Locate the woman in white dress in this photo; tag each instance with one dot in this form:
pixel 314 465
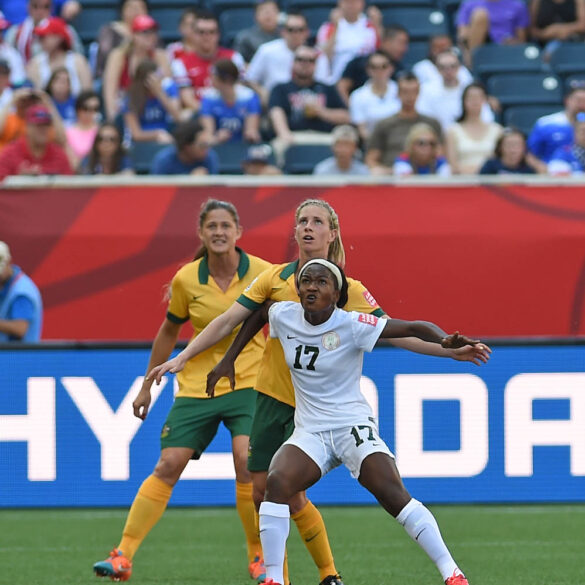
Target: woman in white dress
pixel 471 141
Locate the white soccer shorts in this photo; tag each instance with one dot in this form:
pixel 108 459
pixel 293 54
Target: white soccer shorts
pixel 347 445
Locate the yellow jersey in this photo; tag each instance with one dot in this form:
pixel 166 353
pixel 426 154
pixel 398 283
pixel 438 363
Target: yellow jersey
pixel 196 297
pixel 278 284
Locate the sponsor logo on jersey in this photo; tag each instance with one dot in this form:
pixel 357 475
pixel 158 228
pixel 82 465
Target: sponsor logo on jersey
pixel 330 340
pixel 369 298
pixel 368 319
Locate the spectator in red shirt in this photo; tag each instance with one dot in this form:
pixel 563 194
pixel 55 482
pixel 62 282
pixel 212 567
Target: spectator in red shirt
pixel 35 153
pixel 192 69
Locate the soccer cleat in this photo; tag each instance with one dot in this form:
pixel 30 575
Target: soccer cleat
pixel 332 580
pixel 256 569
pixel 117 567
pixel 458 578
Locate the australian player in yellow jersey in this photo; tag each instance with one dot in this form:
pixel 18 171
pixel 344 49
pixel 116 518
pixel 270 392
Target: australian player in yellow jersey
pixel 317 233
pixel 200 291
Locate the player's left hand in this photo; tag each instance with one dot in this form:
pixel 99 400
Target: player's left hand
pixel 224 368
pixel 477 354
pixel 456 340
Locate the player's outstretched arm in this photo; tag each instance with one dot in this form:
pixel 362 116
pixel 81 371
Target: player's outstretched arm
pixel 477 354
pixel 217 329
pixel 426 331
pixel 225 366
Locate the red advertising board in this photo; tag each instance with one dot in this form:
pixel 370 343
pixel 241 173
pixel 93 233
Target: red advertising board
pixel 492 260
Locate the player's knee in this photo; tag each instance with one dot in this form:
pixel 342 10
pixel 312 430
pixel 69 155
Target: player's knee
pixel 169 469
pixel 277 487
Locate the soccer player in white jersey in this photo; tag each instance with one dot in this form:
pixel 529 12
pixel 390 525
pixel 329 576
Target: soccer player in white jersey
pixel 323 348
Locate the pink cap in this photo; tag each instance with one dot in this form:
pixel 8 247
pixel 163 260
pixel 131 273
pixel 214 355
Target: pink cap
pixel 143 22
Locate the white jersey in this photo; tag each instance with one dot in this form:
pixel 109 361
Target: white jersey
pixel 325 362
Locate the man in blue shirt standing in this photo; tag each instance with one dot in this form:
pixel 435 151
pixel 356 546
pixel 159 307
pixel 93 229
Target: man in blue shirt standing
pixel 21 308
pixel 190 155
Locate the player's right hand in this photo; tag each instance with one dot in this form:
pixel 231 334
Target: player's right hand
pixel 171 366
pixel 141 404
pixel 224 368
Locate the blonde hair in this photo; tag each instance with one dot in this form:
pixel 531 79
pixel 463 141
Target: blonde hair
pixel 416 132
pixel 336 253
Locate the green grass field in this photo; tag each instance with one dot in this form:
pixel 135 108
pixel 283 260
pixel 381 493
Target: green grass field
pixel 495 545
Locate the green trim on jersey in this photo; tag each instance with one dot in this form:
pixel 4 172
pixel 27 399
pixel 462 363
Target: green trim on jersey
pixel 289 269
pixel 378 313
pixel 175 319
pixel 243 266
pixel 248 303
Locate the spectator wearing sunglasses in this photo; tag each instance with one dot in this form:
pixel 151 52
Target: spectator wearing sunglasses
pixel 421 155
pixel 81 135
pixel 107 155
pixel 378 98
pixel 304 111
pixel 273 61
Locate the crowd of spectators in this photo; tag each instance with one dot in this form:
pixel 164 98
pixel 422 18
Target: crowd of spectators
pixel 68 108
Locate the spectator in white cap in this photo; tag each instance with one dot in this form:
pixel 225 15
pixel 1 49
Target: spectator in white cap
pixel 11 55
pixel 343 162
pixel 21 307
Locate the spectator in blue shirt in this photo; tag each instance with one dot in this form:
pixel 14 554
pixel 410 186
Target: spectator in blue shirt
pixel 21 308
pixel 509 155
pixel 570 158
pixel 152 105
pixel 59 88
pixel 190 155
pixel 230 112
pixel 555 130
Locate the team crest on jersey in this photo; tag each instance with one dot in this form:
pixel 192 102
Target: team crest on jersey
pixel 369 298
pixel 330 340
pixel 368 319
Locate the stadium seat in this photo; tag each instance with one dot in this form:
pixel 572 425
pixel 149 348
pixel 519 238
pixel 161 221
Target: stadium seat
pixel 300 159
pixel 523 117
pixel 514 89
pixel 168 18
pixel 421 23
pixel 142 153
pixel 231 155
pixel 232 21
pixel 490 59
pixel 450 8
pixel 417 50
pixel 577 80
pixel 91 19
pixel 402 3
pixel 568 58
pixel 219 6
pixel 302 5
